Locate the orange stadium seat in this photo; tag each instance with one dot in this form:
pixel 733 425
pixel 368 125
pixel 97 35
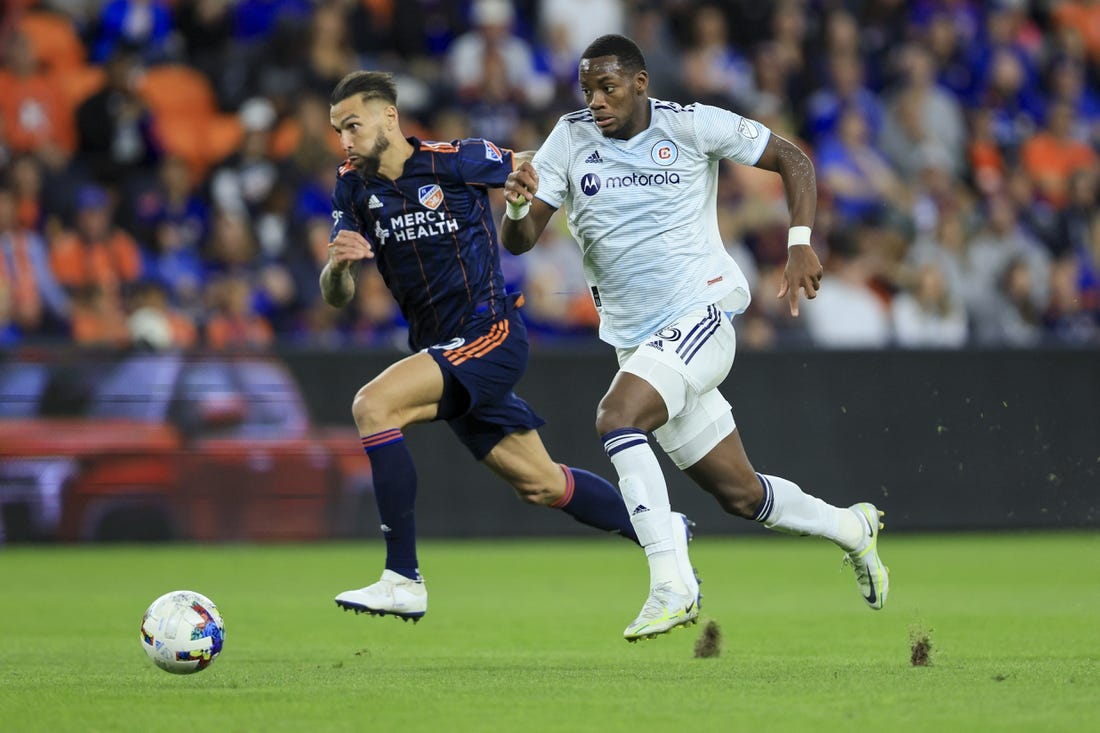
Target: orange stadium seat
pixel 176 90
pixel 57 47
pixel 78 84
pixel 200 142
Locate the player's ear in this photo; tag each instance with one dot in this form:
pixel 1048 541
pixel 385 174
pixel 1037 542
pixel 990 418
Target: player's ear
pixel 641 81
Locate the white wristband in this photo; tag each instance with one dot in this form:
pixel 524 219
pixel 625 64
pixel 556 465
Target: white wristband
pixel 798 235
pixel 517 211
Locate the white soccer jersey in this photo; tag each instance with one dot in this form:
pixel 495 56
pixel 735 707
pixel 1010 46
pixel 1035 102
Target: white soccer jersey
pixel 644 212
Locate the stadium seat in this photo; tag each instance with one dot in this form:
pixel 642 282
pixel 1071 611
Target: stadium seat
pixel 78 84
pixel 175 90
pixel 57 47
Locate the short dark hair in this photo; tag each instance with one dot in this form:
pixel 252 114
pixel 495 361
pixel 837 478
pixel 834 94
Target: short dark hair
pixel 629 55
pixel 369 84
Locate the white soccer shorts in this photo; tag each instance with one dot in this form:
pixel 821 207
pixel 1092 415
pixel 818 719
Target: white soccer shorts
pixel 685 362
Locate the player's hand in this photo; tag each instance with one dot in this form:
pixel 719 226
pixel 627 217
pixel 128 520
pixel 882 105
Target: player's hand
pixel 803 272
pixel 348 247
pixel 522 183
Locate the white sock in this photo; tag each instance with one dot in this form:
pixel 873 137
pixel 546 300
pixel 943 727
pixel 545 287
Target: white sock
pixel 646 497
pixel 787 508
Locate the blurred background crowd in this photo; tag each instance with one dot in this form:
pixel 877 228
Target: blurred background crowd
pixel 166 165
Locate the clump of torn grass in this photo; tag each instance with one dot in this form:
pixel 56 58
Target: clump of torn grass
pixel 920 647
pixel 709 643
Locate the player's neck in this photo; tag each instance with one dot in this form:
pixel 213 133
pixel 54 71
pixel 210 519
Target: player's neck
pixel 393 160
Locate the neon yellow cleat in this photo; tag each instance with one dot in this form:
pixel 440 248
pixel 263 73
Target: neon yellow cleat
pixel 872 576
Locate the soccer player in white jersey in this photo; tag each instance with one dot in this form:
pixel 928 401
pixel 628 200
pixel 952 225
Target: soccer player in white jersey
pixel 638 178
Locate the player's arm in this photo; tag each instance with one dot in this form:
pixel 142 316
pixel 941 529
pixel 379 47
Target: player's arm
pixel 803 271
pixel 338 275
pixel 526 216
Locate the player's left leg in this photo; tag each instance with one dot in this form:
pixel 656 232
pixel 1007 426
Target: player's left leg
pixel 777 503
pixel 521 459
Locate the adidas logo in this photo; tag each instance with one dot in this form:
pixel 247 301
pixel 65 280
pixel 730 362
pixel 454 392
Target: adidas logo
pixel 639 509
pixel 656 345
pixel 594 158
pixel 373 202
pixel 385 528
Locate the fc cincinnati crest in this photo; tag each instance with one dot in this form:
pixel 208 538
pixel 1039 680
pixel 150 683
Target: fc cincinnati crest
pixel 664 152
pixel 431 196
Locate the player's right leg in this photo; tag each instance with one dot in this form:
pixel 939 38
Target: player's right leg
pixel 408 392
pixel 632 407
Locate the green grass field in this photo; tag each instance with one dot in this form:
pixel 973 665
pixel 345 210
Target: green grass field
pixel 526 636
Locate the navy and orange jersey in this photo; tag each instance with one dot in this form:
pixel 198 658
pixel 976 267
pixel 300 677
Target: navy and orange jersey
pixel 433 234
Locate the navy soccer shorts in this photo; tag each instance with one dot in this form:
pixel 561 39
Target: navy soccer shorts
pixel 480 370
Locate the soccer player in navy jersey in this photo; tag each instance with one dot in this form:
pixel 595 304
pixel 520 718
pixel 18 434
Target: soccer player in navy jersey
pixel 421 211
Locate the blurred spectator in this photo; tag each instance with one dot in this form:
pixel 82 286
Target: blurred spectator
pixel 953 58
pixel 96 253
pixel 856 175
pixel 98 318
pixel 331 54
pixel 1081 17
pixel 115 128
pixel 146 25
pixel 1009 315
pixel 1070 318
pixel 1002 240
pixel 1014 106
pixel 1078 232
pixel 558 299
pixel 847 313
pixel 714 70
pixel 33 299
pixel 206 29
pixel 234 324
pixel 175 221
pixel 375 319
pixel 154 324
pixel 36 118
pixel 1067 82
pixel 1053 155
pixel 247 179
pixel 845 91
pixel 649 27
pixel 924 122
pixel 491 46
pixel 927 314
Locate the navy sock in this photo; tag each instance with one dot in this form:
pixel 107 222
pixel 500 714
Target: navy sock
pixel 395 493
pixel 594 501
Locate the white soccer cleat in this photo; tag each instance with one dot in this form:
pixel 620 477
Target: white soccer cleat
pixel 681 536
pixel 664 610
pixel 393 594
pixel 872 576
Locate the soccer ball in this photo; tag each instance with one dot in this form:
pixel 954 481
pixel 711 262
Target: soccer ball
pixel 182 632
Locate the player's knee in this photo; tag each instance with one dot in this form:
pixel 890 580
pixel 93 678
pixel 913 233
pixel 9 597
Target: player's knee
pixel 613 415
pixel 370 411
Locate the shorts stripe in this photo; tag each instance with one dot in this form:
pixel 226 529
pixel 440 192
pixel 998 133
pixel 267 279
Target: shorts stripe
pixel 479 346
pixel 711 329
pixel 699 334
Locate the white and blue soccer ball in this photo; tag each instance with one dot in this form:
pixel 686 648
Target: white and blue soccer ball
pixel 182 632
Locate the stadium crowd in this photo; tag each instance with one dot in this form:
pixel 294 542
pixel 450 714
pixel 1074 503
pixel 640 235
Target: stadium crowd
pixel 166 166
